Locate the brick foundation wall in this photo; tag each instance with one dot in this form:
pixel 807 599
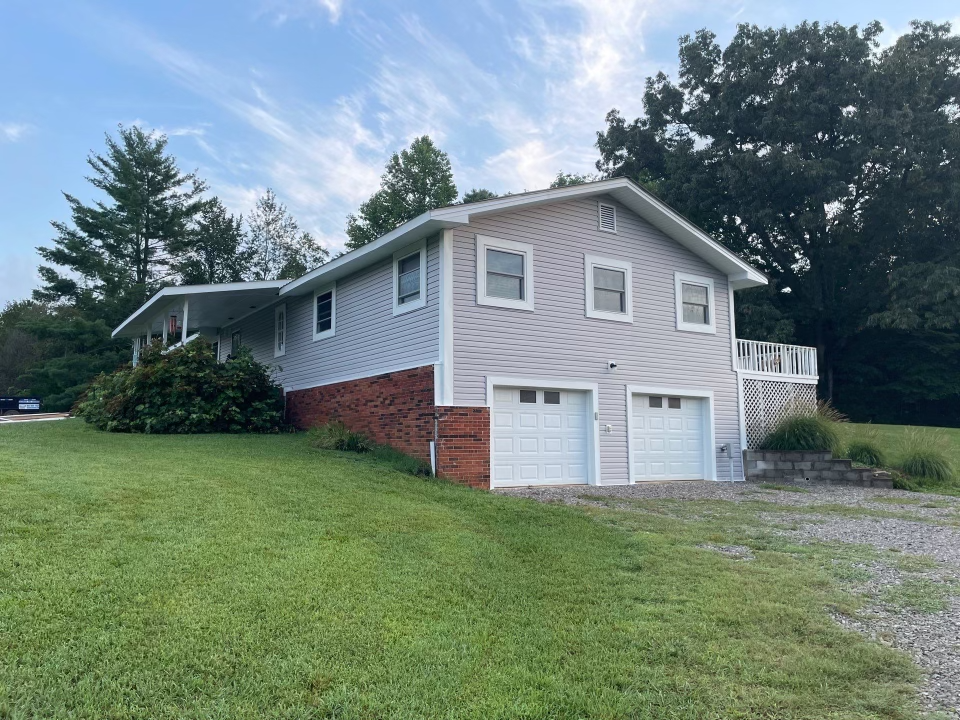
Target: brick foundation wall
pixel 393 409
pixel 397 409
pixel 463 445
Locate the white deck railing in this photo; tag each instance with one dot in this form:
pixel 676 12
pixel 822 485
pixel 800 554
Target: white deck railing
pixel 776 358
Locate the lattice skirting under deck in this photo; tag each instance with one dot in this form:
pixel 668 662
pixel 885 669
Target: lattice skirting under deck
pixel 766 402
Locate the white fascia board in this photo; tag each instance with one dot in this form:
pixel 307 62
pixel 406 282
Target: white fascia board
pixel 151 306
pixel 412 230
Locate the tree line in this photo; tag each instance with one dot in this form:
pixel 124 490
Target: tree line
pixel 829 162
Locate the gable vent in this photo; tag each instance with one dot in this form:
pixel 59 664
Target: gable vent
pixel 608 217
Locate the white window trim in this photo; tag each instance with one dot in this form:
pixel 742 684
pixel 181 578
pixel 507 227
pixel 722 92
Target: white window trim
pixel 280 309
pixel 679 279
pixel 600 206
pixel 709 425
pixel 333 312
pixel 421 248
pixel 592 261
pixel 483 244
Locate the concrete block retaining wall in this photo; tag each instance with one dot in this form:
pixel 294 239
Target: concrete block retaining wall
pixel 813 467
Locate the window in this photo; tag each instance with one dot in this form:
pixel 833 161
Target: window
pixel 410 278
pixel 528 397
pixel 235 343
pixel 324 313
pixel 551 397
pixel 696 311
pixel 504 273
pixel 673 403
pixel 609 294
pixel 606 217
pixel 280 331
pixel 656 402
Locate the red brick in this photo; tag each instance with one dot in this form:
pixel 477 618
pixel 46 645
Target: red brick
pixel 397 409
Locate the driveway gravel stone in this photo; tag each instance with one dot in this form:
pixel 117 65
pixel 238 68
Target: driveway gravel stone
pixel 920 525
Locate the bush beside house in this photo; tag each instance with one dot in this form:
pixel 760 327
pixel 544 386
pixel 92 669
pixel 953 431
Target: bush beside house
pixel 185 390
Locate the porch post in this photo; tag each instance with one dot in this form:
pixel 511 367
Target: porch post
pixel 186 311
pixel 163 332
pixel 149 333
pixel 136 350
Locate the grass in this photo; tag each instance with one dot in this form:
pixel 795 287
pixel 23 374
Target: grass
pixel 918 595
pixel 895 441
pixel 252 576
pixel 782 487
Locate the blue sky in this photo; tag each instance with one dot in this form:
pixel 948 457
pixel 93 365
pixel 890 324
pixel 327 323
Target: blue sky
pixel 310 97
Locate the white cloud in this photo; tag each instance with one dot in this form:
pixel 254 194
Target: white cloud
pixel 283 10
pixel 14 132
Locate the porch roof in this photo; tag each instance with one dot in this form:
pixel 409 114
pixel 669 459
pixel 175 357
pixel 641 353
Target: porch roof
pixel 209 305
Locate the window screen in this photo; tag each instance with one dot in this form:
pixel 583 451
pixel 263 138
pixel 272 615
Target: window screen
pixel 505 274
pixel 408 279
pixel 696 304
pixel 325 311
pixel 609 290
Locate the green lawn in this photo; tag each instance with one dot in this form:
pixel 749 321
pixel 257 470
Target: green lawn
pixel 893 438
pixel 248 577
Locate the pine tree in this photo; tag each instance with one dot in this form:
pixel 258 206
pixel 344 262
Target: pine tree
pixel 215 250
pixel 477 195
pixel 278 247
pixel 416 180
pixel 117 250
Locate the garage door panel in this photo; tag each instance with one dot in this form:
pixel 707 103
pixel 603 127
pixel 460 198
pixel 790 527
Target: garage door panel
pixel 667 440
pixel 542 441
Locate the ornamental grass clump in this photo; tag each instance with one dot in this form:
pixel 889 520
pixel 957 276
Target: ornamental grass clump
pixel 804 430
pixel 924 457
pixel 335 435
pixel 864 448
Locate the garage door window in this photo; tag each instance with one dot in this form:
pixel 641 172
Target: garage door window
pixel 551 397
pixel 673 403
pixel 656 402
pixel 528 397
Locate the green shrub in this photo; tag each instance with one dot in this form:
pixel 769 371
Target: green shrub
pixel 185 391
pixel 925 456
pixel 804 431
pixel 335 435
pixel 865 452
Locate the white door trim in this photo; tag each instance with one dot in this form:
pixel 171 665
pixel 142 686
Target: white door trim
pixel 593 409
pixel 709 424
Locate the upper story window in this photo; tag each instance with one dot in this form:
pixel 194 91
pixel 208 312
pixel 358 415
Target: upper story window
pixel 324 313
pixel 410 278
pixel 606 217
pixel 504 273
pixel 696 310
pixel 280 331
pixel 609 283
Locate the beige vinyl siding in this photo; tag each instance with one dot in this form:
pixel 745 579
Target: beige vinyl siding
pixel 557 341
pixel 369 338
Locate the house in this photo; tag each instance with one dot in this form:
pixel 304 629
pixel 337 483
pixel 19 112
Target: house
pixel 574 335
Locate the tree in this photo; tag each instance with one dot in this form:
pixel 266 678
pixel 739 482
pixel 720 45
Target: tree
pixel 215 249
pixel 478 195
pixel 567 179
pixel 416 180
pixel 116 251
pixel 809 151
pixel 277 246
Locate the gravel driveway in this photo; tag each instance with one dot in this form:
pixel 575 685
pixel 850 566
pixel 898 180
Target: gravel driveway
pixel 921 526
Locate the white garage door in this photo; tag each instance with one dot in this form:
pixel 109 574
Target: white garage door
pixel 539 437
pixel 667 438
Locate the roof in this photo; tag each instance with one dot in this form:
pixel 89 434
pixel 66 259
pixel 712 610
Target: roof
pixel 210 305
pixel 623 190
pixel 217 305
